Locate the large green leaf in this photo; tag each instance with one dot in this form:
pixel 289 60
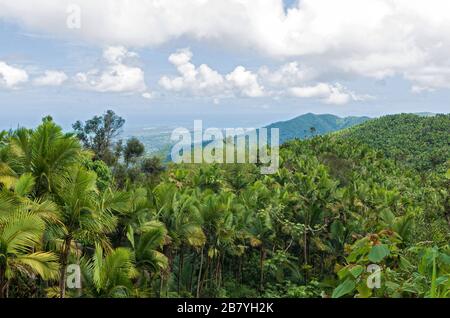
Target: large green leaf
pixel 343 289
pixel 356 270
pixel 378 253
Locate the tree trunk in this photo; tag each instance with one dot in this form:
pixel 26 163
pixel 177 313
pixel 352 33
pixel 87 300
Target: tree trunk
pixel 180 269
pixel 241 261
pixel 261 264
pixel 305 254
pixel 305 247
pixel 191 280
pixel 167 251
pixel 221 269
pixel 161 285
pixel 65 250
pixel 217 270
pixel 199 281
pixel 206 272
pixel 3 282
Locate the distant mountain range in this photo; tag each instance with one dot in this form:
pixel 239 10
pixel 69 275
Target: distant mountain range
pixel 309 125
pixel 305 126
pixel 157 141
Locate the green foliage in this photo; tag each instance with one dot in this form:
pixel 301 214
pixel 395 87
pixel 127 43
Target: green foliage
pixel 98 133
pixel 421 142
pixel 103 172
pixel 133 150
pixel 21 230
pixel 109 276
pixel 139 229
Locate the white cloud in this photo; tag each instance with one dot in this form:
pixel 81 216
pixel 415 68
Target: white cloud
pixel 330 94
pixel 117 76
pixel 51 78
pixel 290 79
pixel 245 82
pixel 147 95
pixel 198 81
pixel 117 54
pixel 204 81
pixel 288 74
pixel 11 77
pixel 429 78
pixel 372 38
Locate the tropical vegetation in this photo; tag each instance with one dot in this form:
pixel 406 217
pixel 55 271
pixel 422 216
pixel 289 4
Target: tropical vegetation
pixel 342 211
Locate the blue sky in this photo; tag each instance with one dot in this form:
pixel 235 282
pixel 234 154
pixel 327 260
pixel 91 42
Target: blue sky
pixel 230 63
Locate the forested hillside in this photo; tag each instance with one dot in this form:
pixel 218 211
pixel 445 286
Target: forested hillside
pixel 310 125
pixel 138 229
pixel 422 142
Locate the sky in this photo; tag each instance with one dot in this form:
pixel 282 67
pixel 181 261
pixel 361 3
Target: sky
pixel 231 63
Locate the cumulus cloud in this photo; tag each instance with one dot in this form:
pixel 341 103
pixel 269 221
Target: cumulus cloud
pixel 287 75
pixel 245 82
pixel 372 38
pixel 117 76
pixel 117 54
pixel 200 80
pixel 290 79
pixel 429 78
pixel 375 38
pixel 11 77
pixel 51 78
pixel 205 81
pixel 335 94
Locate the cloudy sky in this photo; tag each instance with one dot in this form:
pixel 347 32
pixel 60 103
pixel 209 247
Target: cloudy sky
pixel 240 62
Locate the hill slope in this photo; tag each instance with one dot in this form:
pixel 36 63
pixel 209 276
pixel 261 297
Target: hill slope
pixel 418 141
pixel 310 124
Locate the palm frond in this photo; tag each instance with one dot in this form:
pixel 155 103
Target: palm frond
pixel 45 264
pixel 21 232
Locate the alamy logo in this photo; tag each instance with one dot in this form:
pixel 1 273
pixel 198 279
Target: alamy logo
pixel 374 279
pixel 73 280
pixel 74 16
pixel 231 145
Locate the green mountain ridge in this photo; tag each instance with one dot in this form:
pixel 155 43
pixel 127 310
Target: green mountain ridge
pixel 308 125
pixel 421 142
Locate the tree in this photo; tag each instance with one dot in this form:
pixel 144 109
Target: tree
pixel 109 275
pixel 103 172
pixel 21 233
pixel 45 153
pixel 147 243
pixel 179 212
pixel 152 166
pixel 98 134
pixel 83 214
pixel 133 150
pixel 334 208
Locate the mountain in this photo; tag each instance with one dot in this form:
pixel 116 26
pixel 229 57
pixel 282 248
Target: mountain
pixel 311 125
pixel 421 142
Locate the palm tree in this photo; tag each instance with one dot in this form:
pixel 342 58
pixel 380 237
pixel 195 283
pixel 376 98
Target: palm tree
pixel 109 275
pixel 19 192
pixel 216 211
pixel 180 214
pixel 147 242
pixel 21 232
pixel 84 212
pixel 23 222
pixel 44 153
pixel 132 208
